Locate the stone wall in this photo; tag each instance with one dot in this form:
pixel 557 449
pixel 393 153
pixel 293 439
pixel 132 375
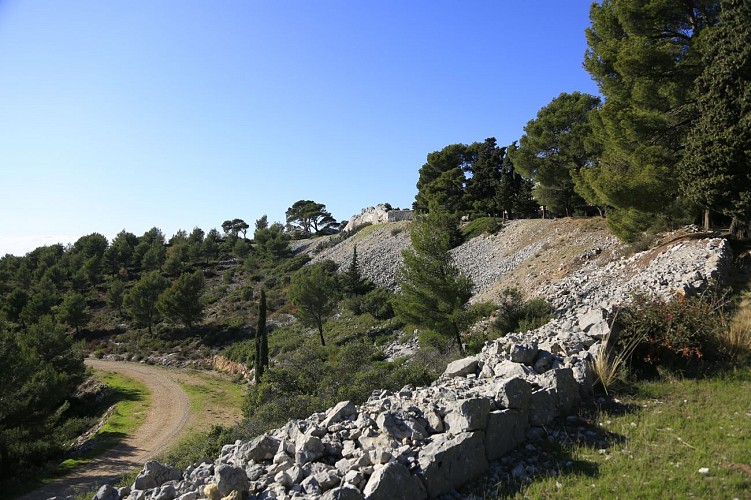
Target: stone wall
pixel 378 214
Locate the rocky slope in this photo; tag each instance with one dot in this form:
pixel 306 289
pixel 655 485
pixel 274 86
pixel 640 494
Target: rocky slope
pixel 424 442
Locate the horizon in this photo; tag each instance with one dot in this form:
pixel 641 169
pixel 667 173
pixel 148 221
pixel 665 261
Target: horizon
pixel 181 114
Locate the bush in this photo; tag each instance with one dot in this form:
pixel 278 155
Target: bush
pixel 677 335
pixel 377 302
pixel 482 225
pixel 516 315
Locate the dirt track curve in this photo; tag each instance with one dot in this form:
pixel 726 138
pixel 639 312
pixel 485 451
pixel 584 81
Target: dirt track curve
pixel 167 416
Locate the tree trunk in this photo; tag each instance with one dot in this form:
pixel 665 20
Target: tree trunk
pixel 320 332
pixel 707 220
pixel 459 340
pixel 740 230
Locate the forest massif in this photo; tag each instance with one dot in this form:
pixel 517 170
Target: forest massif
pixel 666 144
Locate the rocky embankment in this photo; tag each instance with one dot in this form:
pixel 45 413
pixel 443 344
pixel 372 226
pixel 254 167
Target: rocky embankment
pixel 424 442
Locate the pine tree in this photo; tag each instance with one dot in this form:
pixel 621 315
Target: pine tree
pixel 715 168
pixel 433 291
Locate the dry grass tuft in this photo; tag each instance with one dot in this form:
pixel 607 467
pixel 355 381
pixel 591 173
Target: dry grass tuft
pixel 737 335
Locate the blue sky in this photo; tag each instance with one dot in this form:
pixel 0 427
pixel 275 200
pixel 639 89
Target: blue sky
pixel 179 113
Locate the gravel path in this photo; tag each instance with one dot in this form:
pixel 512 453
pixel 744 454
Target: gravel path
pixel 167 416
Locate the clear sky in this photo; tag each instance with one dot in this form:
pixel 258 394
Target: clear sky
pixel 180 113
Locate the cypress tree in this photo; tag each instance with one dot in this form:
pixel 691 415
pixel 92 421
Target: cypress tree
pixel 262 341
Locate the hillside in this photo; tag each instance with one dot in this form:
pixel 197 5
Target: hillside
pixel 421 442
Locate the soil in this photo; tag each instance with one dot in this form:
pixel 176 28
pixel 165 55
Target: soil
pixel 168 418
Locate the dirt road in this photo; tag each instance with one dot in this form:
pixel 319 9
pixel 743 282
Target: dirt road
pixel 167 418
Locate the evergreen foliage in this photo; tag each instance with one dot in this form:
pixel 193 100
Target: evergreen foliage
pixel 314 290
pixel 183 300
pixel 645 57
pixel 141 300
pixel 262 339
pixel 40 368
pixel 554 148
pixel 433 293
pixel 715 170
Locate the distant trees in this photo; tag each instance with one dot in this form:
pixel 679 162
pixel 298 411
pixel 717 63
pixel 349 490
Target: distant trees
pixel 235 226
pixel 74 310
pixel 183 300
pixel 476 180
pixel 314 290
pixel 141 300
pixel 309 217
pixel 434 293
pixel 271 242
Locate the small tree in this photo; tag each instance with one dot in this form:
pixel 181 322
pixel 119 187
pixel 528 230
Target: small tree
pixel 434 293
pixel 314 290
pixel 262 339
pixel 183 301
pixel 73 310
pixel 141 300
pixel 115 295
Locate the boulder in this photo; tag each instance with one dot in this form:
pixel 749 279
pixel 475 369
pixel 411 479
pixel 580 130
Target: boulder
pixel 563 384
pixel 308 448
pixel 461 367
pixel 450 461
pixel 524 353
pixel 155 474
pixel 542 407
pixel 107 492
pixel 339 412
pixel 345 492
pixel 394 482
pixel 514 393
pixel 259 449
pixel 467 415
pixel 229 479
pixel 506 430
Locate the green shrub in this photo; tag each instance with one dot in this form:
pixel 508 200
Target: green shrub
pixel 517 315
pixel 482 225
pixel 377 302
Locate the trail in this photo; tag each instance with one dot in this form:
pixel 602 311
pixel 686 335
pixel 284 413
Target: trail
pixel 167 416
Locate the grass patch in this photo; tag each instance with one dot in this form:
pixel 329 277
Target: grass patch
pixel 674 430
pixel 132 400
pixel 214 392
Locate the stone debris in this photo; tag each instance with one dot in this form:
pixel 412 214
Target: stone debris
pixel 426 442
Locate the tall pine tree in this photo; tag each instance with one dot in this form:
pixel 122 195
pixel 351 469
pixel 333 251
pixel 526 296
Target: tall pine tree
pixel 716 166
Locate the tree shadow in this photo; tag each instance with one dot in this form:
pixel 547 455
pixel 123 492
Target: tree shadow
pixel 550 450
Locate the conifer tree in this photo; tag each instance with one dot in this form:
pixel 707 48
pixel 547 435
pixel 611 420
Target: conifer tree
pixel 262 339
pixel 433 291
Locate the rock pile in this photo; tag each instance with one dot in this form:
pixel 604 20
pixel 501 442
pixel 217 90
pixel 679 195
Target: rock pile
pixel 424 442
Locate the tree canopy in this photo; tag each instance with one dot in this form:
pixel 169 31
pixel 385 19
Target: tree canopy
pixel 314 290
pixel 716 167
pixel 309 217
pixel 183 300
pixel 645 57
pixel 555 146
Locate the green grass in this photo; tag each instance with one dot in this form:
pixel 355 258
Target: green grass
pixel 214 392
pixel 132 399
pixel 656 449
